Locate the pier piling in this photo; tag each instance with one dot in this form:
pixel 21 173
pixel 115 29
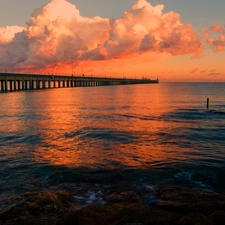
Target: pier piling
pixel 17 81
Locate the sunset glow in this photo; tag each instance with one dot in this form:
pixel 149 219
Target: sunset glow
pixel 143 41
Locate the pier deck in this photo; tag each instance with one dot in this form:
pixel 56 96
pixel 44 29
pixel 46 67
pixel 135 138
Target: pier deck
pixel 18 82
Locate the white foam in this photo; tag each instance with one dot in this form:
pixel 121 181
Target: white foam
pixel 150 187
pixel 189 177
pixel 91 198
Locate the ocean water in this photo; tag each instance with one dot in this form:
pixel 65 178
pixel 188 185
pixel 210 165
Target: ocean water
pixel 92 140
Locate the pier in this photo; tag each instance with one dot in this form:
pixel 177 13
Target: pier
pixel 21 82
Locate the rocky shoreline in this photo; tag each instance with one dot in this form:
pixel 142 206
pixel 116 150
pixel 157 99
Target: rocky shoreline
pixel 176 205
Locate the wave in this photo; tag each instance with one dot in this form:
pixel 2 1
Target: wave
pixel 196 179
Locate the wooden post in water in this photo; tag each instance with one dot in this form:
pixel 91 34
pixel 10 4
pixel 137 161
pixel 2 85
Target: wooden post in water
pixel 207 103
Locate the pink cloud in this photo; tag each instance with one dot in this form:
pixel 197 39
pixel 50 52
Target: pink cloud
pixel 217 28
pixel 206 32
pixel 8 33
pixel 217 45
pixel 57 34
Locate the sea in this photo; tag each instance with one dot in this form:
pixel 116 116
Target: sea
pixel 95 140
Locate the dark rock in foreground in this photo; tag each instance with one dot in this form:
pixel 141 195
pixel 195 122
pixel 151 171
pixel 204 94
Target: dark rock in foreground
pixel 186 200
pixel 172 206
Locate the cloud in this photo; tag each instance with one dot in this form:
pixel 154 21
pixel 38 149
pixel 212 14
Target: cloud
pixel 217 44
pixel 168 72
pixel 57 35
pixel 206 32
pixel 194 70
pixel 214 74
pixel 8 33
pixel 217 28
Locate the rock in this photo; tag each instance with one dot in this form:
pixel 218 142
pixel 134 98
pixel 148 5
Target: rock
pixel 128 196
pixel 175 206
pixel 218 217
pixel 160 217
pixel 120 214
pixel 39 208
pixel 187 200
pixel 50 198
pixel 195 218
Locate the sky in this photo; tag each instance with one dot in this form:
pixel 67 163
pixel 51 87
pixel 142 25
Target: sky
pixel 174 40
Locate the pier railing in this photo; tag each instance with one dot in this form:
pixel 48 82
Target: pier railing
pixel 17 81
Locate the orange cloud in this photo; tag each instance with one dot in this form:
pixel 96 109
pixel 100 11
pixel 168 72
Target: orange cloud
pixel 206 32
pixel 194 70
pixel 217 28
pixel 56 36
pixel 217 44
pixel 214 74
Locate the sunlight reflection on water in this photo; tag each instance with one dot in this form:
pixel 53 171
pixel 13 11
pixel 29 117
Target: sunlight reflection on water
pixel 157 128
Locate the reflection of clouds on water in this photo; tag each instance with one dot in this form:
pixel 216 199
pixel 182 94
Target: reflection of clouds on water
pixel 77 135
pixel 109 135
